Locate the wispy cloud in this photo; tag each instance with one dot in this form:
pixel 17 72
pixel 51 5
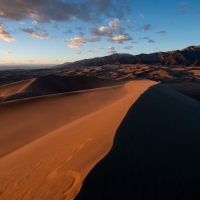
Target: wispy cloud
pixel 128 47
pixel 43 34
pixel 73 46
pixel 161 32
pixel 34 22
pixel 113 27
pixel 5 35
pixel 151 41
pixel 80 51
pixel 69 30
pixel 184 7
pixel 111 49
pixel 120 38
pixel 142 15
pixel 32 33
pixel 78 41
pixel 145 27
pixel 6 52
pixel 102 31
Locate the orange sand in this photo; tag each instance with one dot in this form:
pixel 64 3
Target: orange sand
pixel 49 144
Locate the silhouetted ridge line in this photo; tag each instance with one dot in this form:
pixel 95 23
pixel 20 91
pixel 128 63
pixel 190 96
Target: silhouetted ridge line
pixel 188 56
pixel 155 154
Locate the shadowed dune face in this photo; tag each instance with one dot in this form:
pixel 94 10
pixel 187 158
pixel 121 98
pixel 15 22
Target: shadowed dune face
pixel 155 154
pixel 51 84
pixel 190 89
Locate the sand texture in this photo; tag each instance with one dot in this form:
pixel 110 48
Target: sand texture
pixel 155 153
pixel 50 143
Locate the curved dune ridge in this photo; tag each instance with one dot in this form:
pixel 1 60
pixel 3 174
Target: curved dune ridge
pixel 51 84
pixel 50 143
pixel 155 153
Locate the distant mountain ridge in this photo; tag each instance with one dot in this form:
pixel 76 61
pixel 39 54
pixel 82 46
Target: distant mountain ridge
pixel 189 56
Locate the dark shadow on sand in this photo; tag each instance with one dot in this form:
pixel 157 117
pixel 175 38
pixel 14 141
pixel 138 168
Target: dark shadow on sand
pixel 155 154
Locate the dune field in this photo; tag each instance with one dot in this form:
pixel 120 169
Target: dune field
pixel 50 143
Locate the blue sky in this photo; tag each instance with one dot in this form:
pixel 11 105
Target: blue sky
pixel 52 32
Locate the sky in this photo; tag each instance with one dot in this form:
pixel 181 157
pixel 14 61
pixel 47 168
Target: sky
pixel 52 32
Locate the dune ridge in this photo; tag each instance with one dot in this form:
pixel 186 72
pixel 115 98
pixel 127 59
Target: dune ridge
pixel 51 84
pixel 155 153
pixel 53 164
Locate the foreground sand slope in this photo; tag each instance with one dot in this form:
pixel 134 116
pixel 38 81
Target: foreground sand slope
pixel 155 154
pixel 54 165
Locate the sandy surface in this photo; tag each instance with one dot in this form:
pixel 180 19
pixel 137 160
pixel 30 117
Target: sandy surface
pixel 49 144
pixel 15 87
pixel 155 153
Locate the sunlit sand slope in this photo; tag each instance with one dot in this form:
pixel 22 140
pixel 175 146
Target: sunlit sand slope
pixel 51 143
pixel 156 152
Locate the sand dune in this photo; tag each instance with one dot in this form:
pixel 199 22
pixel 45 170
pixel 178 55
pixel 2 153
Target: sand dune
pixel 155 154
pixel 191 89
pixel 15 87
pixel 51 84
pixel 49 144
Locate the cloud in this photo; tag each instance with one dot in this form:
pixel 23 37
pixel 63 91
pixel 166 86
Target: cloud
pixel 77 39
pixel 34 22
pixel 5 35
pixel 33 33
pixel 145 38
pixel 146 27
pixel 73 46
pixel 80 51
pixel 56 61
pixel 128 47
pixel 57 10
pixel 142 15
pixel 80 28
pixel 76 42
pixel 6 52
pixel 134 42
pixel 30 60
pixel 89 51
pixel 113 27
pixel 185 7
pixel 151 41
pixel 111 49
pixel 102 31
pixel 69 30
pixel 120 38
pixel 161 32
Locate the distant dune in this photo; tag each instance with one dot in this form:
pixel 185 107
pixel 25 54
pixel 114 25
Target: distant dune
pixel 155 154
pixel 51 84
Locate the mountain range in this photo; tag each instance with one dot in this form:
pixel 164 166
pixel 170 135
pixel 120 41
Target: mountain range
pixel 189 56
